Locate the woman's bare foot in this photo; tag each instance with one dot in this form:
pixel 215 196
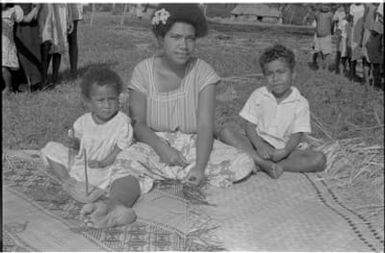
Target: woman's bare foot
pixel 77 190
pixel 104 214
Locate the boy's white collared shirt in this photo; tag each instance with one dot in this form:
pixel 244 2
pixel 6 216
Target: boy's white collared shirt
pixel 277 121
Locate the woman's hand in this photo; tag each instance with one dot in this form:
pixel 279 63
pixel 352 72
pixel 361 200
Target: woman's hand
pixel 172 157
pixel 195 176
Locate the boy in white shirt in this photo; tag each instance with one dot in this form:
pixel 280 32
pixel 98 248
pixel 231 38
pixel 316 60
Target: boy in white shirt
pixel 277 117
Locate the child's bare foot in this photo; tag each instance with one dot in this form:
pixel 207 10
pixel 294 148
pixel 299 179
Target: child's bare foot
pixel 77 190
pixel 104 214
pixel 274 171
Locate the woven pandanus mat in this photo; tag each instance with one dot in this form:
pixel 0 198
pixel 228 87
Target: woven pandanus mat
pixel 297 212
pixel 39 216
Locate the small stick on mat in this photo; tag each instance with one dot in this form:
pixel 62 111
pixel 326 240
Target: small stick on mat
pixel 71 135
pixel 85 170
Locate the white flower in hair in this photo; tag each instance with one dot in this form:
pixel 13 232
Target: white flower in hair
pixel 160 16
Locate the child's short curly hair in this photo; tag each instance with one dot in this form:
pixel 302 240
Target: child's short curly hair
pixel 166 15
pixel 101 76
pixel 276 52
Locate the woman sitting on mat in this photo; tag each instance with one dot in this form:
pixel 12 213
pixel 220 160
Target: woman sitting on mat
pixel 172 101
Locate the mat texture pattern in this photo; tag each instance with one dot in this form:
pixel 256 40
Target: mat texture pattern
pixel 39 216
pixel 298 212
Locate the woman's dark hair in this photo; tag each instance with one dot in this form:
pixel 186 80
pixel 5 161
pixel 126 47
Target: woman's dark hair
pixel 101 76
pixel 187 13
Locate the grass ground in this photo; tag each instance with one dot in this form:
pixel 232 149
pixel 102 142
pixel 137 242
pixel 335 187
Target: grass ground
pixel 341 110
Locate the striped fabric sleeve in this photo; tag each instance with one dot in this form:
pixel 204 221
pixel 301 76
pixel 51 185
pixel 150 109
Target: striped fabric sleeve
pixel 207 75
pixel 140 77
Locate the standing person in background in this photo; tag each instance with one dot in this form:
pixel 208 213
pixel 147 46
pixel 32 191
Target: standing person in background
pixel 367 37
pixel 27 42
pixel 323 36
pixel 379 28
pixel 338 18
pixel 11 14
pixel 314 10
pixel 357 11
pixel 372 45
pixel 75 14
pixel 345 48
pixel 139 11
pixel 53 24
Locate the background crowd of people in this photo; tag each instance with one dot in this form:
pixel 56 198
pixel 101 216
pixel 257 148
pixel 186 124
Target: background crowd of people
pixel 358 29
pixel 32 35
pixel 35 34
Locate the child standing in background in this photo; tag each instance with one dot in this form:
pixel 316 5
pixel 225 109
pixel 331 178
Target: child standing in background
pixel 338 18
pixel 75 15
pixel 99 136
pixel 323 35
pixel 54 24
pixel 357 11
pixel 345 30
pixel 11 14
pixel 372 47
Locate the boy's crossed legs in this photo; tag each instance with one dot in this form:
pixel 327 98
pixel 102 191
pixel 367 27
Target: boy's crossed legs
pixel 297 161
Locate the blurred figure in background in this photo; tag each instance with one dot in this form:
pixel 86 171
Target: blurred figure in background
pixel 338 18
pixel 139 11
pixel 11 14
pixel 345 48
pixel 53 24
pixel 27 42
pixel 75 14
pixel 323 38
pixel 357 11
pixel 372 45
pixel 369 39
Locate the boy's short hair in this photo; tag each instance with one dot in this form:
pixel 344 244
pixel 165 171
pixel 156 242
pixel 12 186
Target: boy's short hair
pixel 101 76
pixel 276 52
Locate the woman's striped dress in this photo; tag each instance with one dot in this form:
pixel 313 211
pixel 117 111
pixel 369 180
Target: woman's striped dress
pixel 173 117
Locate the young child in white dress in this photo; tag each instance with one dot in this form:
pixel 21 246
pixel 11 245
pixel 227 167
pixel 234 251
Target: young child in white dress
pixel 97 138
pixel 11 14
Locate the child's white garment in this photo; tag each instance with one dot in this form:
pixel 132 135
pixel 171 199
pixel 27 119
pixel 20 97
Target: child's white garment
pixel 8 47
pixel 275 122
pixel 98 141
pixel 52 20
